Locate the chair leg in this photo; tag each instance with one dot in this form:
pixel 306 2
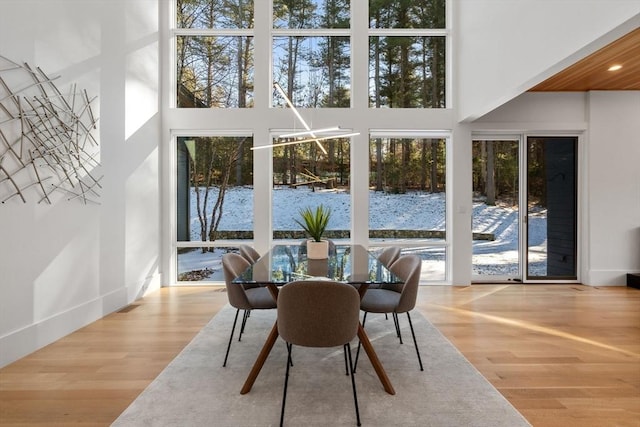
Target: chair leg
pixel 233 328
pixel 355 365
pixel 414 341
pixel 347 347
pixel 397 325
pixel 286 382
pixel 346 366
pixel 244 322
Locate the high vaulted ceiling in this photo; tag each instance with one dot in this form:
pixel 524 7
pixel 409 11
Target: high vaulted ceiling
pixel 592 72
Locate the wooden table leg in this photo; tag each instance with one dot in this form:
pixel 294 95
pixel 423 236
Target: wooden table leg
pixel 375 362
pixel 262 357
pixel 274 291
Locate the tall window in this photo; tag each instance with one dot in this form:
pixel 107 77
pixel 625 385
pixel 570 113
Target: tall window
pixel 407 203
pixel 311 52
pixel 214 201
pixel 214 53
pixel 407 62
pixel 304 177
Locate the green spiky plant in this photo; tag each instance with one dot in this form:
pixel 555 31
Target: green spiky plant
pixel 314 222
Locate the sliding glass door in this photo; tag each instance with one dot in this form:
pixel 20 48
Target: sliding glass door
pixel 496 209
pixel 551 251
pixel 524 209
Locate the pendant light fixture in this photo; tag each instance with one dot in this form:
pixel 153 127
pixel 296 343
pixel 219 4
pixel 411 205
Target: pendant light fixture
pixel 309 134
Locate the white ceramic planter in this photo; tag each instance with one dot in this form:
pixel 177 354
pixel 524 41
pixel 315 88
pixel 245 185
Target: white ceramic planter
pixel 317 250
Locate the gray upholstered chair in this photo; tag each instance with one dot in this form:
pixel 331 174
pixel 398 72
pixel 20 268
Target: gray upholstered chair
pixel 408 268
pixel 258 298
pixel 249 253
pixel 389 255
pixel 318 313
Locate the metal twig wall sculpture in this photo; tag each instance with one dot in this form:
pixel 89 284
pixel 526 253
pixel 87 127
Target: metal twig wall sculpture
pixel 47 143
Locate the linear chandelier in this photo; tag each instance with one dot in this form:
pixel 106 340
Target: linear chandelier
pixel 311 135
pixel 309 132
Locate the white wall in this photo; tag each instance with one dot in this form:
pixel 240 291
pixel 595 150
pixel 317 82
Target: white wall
pixel 614 186
pixel 505 47
pixel 66 264
pixel 609 170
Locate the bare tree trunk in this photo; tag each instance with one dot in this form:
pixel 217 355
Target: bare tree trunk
pixel 285 166
pixel 240 75
pixel 491 175
pixel 377 69
pixel 209 88
pixel 201 200
pixel 423 165
pixel 216 212
pixel 196 188
pixel 379 182
pixel 239 164
pixel 292 164
pixel 434 166
pixel 482 178
pixel 330 70
pixel 435 89
pixel 406 162
pixel 425 74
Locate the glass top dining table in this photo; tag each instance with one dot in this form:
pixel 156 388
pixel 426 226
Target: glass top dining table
pixel 352 264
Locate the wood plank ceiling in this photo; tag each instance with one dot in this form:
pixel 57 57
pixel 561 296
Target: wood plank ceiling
pixel 592 72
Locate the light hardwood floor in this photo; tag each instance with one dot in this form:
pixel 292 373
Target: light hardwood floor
pixel 563 355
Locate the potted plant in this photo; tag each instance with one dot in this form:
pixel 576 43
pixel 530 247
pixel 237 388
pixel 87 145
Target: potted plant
pixel 315 222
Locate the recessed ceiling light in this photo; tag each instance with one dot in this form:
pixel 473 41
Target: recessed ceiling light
pixel 615 67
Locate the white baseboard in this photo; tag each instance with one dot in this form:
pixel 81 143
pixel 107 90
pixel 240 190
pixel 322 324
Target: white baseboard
pixel 22 342
pixel 606 278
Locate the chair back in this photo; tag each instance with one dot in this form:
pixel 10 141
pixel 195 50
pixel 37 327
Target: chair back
pixel 318 313
pixel 408 268
pixel 232 265
pixel 389 255
pixel 249 253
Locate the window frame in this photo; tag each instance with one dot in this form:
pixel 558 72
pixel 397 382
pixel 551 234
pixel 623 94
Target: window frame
pixel 415 244
pixel 310 32
pixel 173 216
pixel 175 32
pixel 264 120
pixel 418 32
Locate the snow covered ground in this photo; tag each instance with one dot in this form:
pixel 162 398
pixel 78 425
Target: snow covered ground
pixel 410 211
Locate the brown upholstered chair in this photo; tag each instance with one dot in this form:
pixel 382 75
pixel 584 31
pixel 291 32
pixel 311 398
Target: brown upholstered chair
pixel 318 313
pixel 408 268
pixel 258 298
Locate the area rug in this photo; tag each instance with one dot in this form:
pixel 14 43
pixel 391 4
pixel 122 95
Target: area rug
pixel 195 390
